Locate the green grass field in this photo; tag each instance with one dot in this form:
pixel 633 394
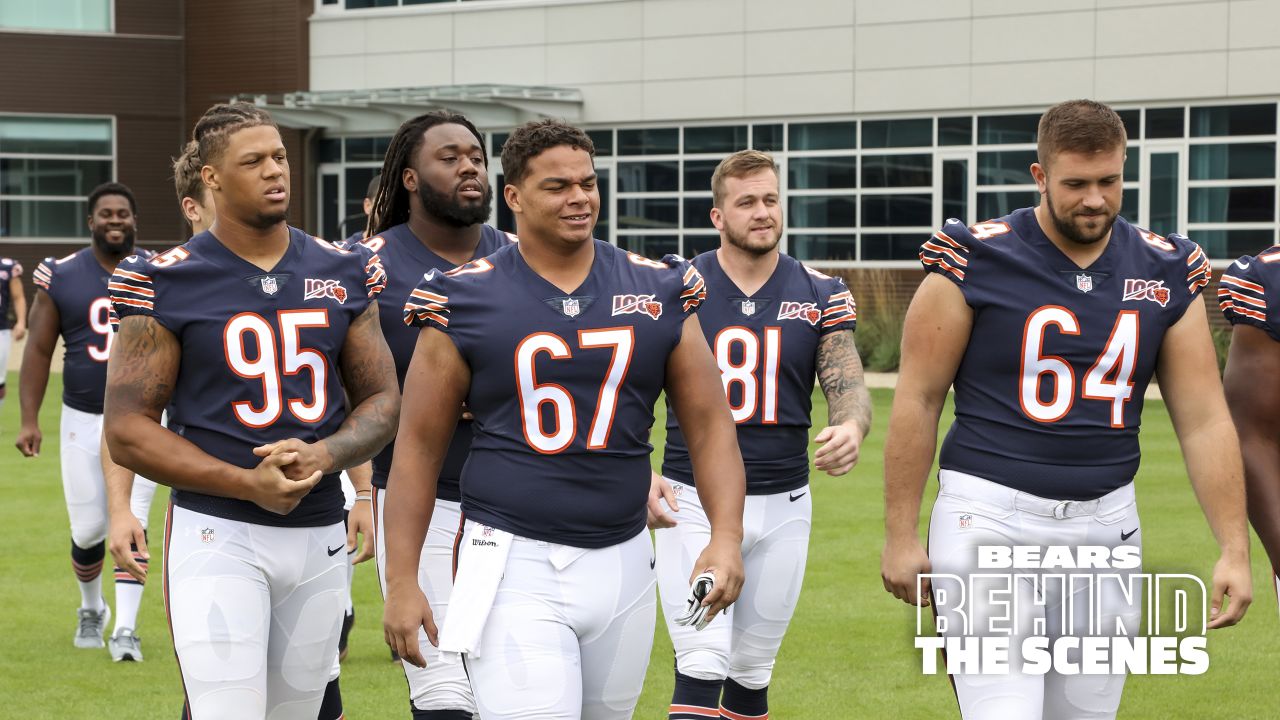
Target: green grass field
pixel 848 654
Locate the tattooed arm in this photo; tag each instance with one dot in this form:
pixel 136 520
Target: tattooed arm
pixel 140 377
pixel 848 403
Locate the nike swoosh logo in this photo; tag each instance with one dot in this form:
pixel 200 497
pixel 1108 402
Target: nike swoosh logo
pixel 333 551
pixel 1126 535
pixel 797 497
pixel 1242 266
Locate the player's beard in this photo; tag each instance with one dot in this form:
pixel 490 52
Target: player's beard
pixel 451 210
pixel 125 247
pixel 743 241
pixel 266 221
pixel 1067 227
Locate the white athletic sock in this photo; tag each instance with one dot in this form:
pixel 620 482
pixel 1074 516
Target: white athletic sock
pixel 351 573
pixel 91 594
pixel 128 600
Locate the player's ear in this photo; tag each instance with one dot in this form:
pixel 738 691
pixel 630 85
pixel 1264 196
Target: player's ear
pixel 512 195
pixel 409 178
pixel 189 209
pixel 1040 176
pixel 717 218
pixel 209 176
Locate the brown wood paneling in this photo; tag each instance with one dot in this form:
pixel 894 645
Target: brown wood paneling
pixel 149 17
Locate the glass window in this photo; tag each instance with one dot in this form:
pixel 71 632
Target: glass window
pixel 822 247
pixel 696 244
pixel 1233 243
pixel 506 218
pixel 823 136
pixel 1165 122
pixel 955 131
pixel 649 141
pixel 1132 161
pixel 330 149
pixel 823 172
pixel 42 176
pixel 653 176
pixel 1232 204
pixel 1006 167
pixel 650 246
pixel 1132 126
pixel 329 207
pixel 641 213
pixel 767 137
pixel 359 4
pixel 998 204
pixel 499 139
pixel 955 189
pixel 697 174
pixel 1004 129
pixel 43 218
pixel 353 217
pixel 602 139
pixel 697 213
pixel 1233 120
pixel 822 211
pixel 367 149
pixel 917 132
pixel 725 139
pixel 62 136
pixel 73 15
pixel 897 210
pixel 1233 162
pixel 892 246
pixel 1163 211
pixel 897 170
pixel 1129 205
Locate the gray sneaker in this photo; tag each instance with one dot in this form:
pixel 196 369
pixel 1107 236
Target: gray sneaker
pixel 124 645
pixel 91 626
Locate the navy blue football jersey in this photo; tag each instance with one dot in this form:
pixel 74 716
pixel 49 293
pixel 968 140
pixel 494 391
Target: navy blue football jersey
pixel 562 387
pixel 1049 393
pixel 766 346
pixel 1247 291
pixel 260 352
pixel 406 260
pixel 77 284
pixel 9 269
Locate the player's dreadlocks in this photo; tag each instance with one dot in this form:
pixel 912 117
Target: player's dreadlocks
pixel 391 205
pixel 220 121
pixel 186 173
pixel 534 138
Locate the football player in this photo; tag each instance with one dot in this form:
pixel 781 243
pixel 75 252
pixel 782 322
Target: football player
pixel 1050 323
pixel 560 345
pixel 257 333
pixel 773 323
pixel 71 301
pixel 12 297
pixel 430 215
pixel 1247 296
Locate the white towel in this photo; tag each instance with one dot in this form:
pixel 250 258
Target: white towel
pixel 482 560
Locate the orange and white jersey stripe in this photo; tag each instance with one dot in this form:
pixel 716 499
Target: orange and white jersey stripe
pixel 1242 291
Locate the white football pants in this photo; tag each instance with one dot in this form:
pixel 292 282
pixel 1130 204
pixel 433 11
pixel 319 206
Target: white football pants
pixel 83 486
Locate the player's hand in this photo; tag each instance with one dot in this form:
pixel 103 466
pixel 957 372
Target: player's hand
pixel 271 489
pixel 28 442
pixel 660 489
pixel 360 522
pixel 723 559
pixel 124 534
pixel 311 457
pixel 900 565
pixel 407 612
pixel 1231 578
pixel 839 451
pixel 19 331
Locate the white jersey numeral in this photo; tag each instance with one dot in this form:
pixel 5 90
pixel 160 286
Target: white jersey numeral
pixel 533 395
pixel 1110 378
pixel 100 322
pixel 271 362
pixel 756 394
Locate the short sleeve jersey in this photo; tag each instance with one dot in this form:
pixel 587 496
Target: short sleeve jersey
pixel 406 260
pixel 1249 292
pixel 77 285
pixel 766 346
pixel 260 352
pixel 1049 392
pixel 562 387
pixel 9 269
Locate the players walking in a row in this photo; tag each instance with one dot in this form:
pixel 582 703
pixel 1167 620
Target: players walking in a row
pixel 253 576
pixel 559 345
pixel 1050 323
pixel 71 302
pixel 773 324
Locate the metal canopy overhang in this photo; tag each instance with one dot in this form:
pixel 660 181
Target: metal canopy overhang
pixel 382 111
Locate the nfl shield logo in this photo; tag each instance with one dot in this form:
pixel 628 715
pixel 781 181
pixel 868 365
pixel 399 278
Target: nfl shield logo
pixel 206 535
pixel 1084 282
pixel 269 285
pixel 571 308
pixel 966 521
pixel 748 307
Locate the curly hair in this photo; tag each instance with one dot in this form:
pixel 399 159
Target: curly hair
pixel 534 138
pixel 112 188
